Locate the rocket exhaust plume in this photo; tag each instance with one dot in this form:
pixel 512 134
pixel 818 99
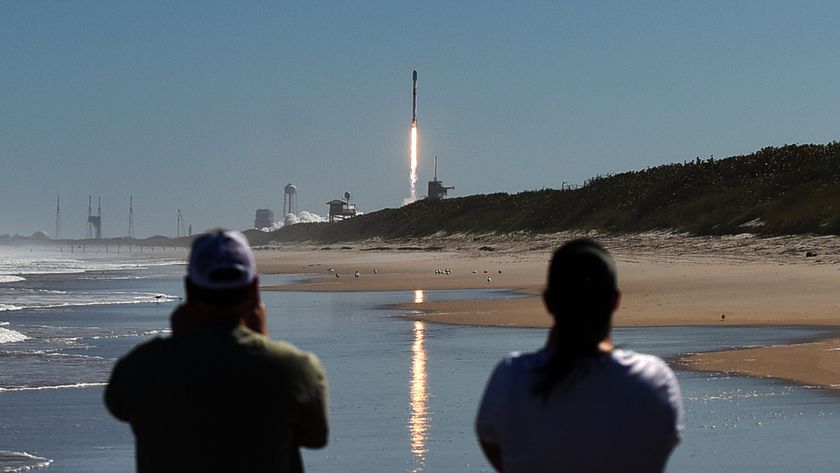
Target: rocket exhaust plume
pixel 412 176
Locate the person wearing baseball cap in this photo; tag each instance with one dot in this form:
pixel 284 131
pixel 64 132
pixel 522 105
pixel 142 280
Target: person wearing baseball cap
pixel 579 404
pixel 218 394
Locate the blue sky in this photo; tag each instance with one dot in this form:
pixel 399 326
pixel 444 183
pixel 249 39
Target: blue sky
pixel 212 107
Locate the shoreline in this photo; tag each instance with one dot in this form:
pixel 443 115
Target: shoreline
pixel 666 280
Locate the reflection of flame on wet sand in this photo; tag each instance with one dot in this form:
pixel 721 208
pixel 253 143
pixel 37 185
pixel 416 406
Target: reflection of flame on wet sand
pixel 419 421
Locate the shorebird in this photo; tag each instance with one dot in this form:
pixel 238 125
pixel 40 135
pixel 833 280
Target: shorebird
pixel 356 274
pixel 337 275
pixel 375 271
pixel 489 279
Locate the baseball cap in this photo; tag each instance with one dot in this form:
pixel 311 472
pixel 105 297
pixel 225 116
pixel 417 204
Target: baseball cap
pixel 221 259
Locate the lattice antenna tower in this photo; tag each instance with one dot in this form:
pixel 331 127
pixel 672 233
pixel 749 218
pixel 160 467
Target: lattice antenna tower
pixel 89 219
pixel 99 217
pixel 181 226
pixel 131 216
pixel 57 216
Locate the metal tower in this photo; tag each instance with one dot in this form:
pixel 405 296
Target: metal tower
pixel 94 221
pixel 181 231
pixel 90 216
pixel 57 216
pixel 437 190
pixel 131 216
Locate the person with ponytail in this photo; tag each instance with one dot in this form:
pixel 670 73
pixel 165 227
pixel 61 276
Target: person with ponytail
pixel 579 404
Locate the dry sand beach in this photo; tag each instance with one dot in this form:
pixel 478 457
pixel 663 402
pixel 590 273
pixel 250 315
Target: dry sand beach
pixel 666 280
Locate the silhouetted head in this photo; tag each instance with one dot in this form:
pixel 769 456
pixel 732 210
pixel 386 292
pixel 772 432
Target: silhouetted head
pixel 222 273
pixel 582 293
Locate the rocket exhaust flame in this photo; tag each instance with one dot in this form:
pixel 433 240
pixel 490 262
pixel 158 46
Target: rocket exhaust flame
pixel 412 176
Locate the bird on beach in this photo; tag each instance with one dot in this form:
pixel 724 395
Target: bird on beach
pixel 356 274
pixel 722 316
pixel 337 275
pixel 489 279
pixel 375 271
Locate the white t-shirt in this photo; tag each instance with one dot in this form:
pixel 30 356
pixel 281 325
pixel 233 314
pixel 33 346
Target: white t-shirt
pixel 622 412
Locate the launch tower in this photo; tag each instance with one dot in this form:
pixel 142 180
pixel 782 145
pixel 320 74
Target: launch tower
pixel 94 221
pixel 437 190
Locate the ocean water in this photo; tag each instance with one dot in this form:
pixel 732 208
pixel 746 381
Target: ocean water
pixel 403 392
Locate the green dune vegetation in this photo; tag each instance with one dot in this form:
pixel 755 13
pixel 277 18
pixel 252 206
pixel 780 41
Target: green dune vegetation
pixel 793 189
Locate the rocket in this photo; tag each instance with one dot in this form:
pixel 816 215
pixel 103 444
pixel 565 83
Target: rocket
pixel 414 97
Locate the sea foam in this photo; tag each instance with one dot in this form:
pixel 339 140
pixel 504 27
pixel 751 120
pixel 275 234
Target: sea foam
pixel 14 462
pixel 7 278
pixel 57 386
pixel 11 336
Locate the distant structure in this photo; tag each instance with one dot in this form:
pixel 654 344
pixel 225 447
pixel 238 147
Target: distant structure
pixel 131 216
pixel 94 221
pixel 57 216
pixel 437 190
pixel 341 209
pixel 290 199
pixel 264 218
pixel 181 230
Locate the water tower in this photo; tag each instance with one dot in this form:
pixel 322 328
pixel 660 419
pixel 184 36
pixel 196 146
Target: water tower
pixel 290 200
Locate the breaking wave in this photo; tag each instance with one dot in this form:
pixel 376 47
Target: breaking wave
pixel 58 299
pixel 11 336
pixel 15 266
pixel 14 462
pixel 7 278
pixel 50 387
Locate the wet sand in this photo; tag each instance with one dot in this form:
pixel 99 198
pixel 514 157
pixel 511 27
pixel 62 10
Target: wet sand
pixel 666 280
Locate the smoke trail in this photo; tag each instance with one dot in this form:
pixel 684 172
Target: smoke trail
pixel 412 177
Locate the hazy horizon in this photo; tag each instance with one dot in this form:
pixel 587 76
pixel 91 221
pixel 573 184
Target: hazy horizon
pixel 212 108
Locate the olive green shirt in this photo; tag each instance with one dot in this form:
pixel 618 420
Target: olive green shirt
pixel 220 400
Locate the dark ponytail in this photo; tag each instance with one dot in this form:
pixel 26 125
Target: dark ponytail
pixel 581 295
